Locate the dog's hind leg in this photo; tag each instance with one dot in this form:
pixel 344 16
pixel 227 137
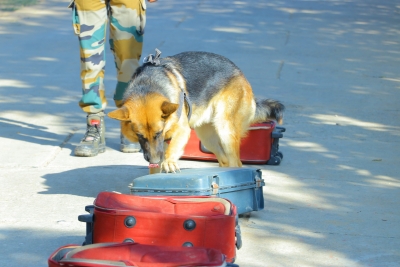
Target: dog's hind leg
pixel 225 149
pixel 230 144
pixel 211 141
pixel 234 109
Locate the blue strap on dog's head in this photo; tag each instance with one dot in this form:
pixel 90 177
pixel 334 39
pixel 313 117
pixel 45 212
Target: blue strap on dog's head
pixel 155 60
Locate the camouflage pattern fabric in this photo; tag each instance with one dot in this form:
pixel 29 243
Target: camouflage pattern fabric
pixel 126 19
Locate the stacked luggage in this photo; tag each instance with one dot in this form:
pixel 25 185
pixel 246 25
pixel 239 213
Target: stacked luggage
pixel 184 219
pixel 176 219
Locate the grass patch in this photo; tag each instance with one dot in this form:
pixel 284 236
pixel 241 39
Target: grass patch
pixel 12 5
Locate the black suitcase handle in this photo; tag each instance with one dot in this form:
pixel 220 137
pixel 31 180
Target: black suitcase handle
pixel 276 156
pixel 88 219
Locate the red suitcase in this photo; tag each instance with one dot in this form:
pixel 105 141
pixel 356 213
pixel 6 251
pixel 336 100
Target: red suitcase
pixel 133 254
pixel 260 146
pixel 200 221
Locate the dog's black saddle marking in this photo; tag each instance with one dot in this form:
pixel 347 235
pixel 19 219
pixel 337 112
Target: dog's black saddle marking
pixel 153 59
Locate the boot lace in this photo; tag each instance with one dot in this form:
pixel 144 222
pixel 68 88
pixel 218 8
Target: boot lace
pixel 92 133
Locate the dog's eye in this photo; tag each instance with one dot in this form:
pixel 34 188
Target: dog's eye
pixel 158 134
pixel 139 135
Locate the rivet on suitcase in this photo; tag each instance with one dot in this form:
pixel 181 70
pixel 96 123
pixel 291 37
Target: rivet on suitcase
pixel 260 146
pixel 164 221
pixel 133 254
pixel 242 186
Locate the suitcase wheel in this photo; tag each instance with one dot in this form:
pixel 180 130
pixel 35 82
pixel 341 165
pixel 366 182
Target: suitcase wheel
pixel 275 160
pixel 238 237
pixel 130 221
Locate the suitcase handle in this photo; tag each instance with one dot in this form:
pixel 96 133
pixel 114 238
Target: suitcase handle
pixel 276 135
pixel 281 129
pixel 88 219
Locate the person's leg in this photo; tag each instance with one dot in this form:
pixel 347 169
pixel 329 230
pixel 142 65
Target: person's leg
pixel 127 22
pixel 90 24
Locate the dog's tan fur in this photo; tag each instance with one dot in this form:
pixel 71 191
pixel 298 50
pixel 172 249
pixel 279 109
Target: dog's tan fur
pixel 229 116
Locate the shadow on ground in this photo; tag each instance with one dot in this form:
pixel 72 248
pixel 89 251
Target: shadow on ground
pixel 17 251
pixel 88 182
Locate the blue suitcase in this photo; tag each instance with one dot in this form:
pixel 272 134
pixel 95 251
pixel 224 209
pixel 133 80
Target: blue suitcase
pixel 242 186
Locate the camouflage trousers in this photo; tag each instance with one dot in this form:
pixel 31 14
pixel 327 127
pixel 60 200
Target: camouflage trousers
pixel 126 20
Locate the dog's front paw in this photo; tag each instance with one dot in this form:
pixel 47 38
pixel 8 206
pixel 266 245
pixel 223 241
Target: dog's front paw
pixel 170 166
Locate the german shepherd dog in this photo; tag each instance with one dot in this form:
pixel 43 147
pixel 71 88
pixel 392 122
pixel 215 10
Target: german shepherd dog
pixel 164 91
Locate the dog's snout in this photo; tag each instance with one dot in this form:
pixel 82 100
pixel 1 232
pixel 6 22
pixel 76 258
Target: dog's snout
pixel 146 157
pixel 152 156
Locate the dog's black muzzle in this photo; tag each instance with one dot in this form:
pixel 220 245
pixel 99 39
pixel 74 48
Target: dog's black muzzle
pixel 154 155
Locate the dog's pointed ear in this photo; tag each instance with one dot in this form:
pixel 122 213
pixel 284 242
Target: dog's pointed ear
pixel 121 114
pixel 168 108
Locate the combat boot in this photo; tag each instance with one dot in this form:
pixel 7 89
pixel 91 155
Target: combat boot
pixel 128 146
pixel 94 141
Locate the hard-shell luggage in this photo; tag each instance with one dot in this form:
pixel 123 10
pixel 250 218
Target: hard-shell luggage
pixel 242 186
pixel 164 221
pixel 260 146
pixel 134 254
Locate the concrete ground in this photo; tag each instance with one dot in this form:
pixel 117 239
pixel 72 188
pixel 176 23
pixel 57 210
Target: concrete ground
pixel 333 201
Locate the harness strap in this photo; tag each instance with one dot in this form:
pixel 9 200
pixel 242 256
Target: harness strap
pixel 155 60
pixel 189 106
pixel 183 98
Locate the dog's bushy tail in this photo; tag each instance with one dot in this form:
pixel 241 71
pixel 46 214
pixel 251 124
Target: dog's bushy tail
pixel 268 109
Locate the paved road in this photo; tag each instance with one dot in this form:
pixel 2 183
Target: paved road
pixel 334 200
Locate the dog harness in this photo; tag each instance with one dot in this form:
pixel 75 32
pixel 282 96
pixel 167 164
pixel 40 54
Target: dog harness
pixel 183 98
